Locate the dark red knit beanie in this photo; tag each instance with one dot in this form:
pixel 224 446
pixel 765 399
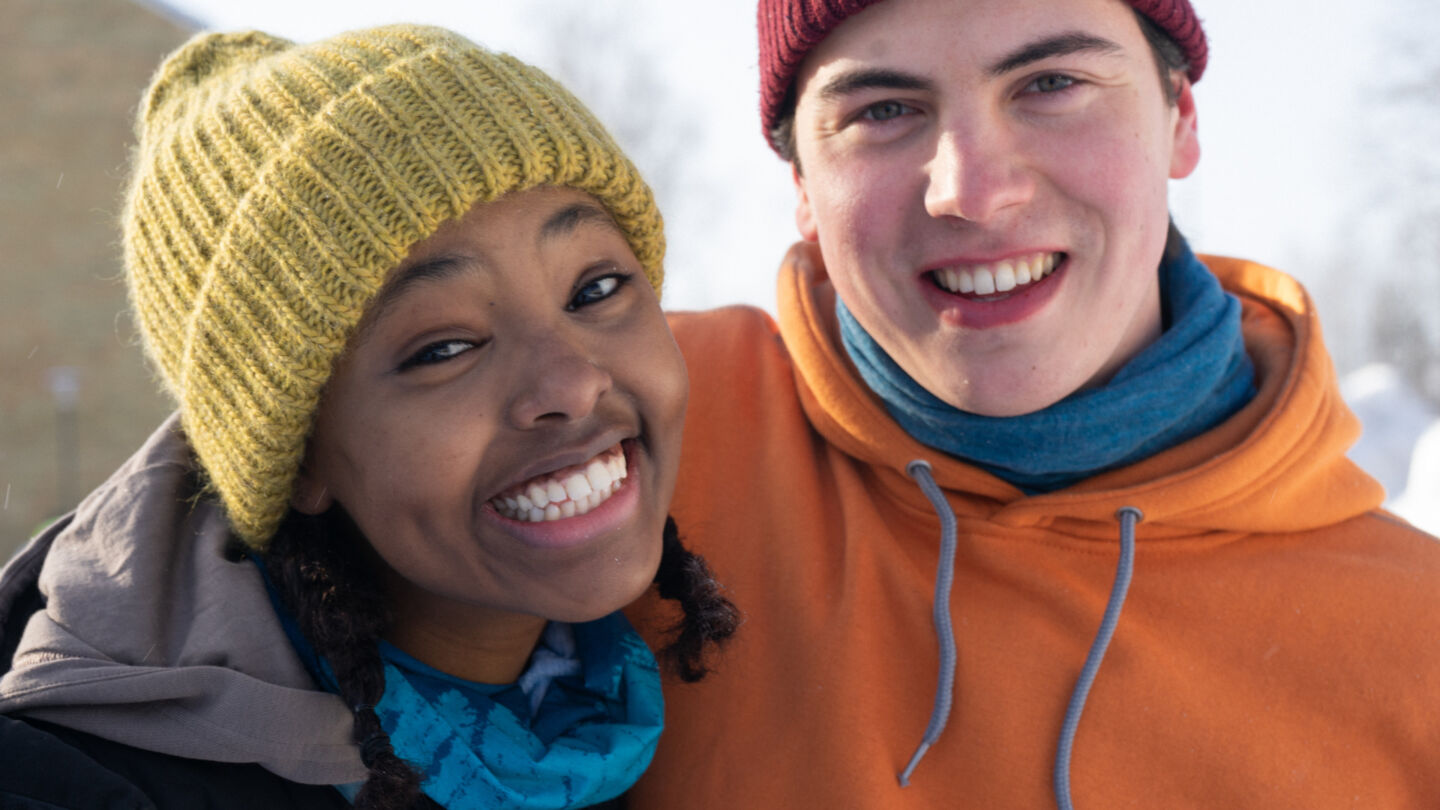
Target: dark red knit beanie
pixel 790 28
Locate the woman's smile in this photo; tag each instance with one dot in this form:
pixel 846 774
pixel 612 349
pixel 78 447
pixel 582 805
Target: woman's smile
pixel 505 429
pixel 571 505
pixel 565 492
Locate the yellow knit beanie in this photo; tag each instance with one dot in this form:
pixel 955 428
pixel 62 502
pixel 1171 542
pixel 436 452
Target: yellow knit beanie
pixel 274 187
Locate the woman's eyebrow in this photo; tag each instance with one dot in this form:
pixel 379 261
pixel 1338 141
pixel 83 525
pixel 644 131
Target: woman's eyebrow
pixel 438 268
pixel 433 269
pixel 565 221
pixel 1058 45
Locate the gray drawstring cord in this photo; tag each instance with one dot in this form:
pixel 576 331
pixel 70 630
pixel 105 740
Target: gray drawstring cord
pixel 1129 516
pixel 944 633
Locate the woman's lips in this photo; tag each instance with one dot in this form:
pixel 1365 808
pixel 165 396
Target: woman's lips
pixel 572 521
pixel 567 492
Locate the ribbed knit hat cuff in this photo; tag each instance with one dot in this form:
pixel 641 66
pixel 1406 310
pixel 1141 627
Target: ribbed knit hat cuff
pixel 271 198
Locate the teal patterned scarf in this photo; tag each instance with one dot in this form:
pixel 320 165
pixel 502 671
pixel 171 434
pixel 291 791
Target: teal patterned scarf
pixel 580 739
pixel 578 728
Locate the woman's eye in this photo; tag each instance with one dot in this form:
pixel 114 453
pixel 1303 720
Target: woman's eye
pixel 437 352
pixel 1050 83
pixel 884 111
pixel 597 289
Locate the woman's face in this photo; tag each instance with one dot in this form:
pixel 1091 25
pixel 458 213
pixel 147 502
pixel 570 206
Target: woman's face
pixel 504 427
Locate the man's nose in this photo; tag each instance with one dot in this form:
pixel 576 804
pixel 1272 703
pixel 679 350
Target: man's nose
pixel 976 173
pixel 557 381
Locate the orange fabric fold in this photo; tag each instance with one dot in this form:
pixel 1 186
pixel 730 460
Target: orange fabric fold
pixel 1280 646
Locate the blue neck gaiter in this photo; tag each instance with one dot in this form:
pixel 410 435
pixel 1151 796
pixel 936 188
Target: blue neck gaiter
pixel 1193 377
pixel 587 739
pixel 578 728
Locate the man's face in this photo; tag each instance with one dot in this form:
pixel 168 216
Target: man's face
pixel 947 143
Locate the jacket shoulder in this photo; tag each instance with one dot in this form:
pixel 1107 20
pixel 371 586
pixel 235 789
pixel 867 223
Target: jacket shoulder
pixel 39 770
pixel 725 334
pixel 48 766
pixel 741 374
pixel 736 347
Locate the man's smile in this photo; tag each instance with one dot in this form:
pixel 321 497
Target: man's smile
pixel 996 277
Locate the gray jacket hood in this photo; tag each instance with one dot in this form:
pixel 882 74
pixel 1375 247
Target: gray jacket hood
pixel 157 634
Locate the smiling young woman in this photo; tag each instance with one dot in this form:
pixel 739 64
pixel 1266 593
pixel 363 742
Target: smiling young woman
pixel 405 293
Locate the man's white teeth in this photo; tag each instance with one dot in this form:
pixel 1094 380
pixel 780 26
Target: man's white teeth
pixel 565 493
pixel 1000 277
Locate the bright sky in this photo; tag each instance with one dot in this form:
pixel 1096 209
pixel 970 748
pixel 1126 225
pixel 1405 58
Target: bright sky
pixel 1277 180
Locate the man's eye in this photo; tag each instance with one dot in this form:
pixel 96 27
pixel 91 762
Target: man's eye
pixel 1051 83
pixel 884 111
pixel 437 352
pixel 597 289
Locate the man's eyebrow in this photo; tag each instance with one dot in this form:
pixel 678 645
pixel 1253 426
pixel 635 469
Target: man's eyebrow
pixel 1059 45
pixel 871 78
pixel 565 221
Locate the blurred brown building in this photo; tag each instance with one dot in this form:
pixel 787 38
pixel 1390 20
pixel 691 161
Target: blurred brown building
pixel 75 395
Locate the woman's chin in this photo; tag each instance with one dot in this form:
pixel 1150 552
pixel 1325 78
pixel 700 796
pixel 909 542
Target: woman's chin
pixel 606 593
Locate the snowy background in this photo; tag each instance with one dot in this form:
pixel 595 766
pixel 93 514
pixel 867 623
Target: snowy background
pixel 1317 124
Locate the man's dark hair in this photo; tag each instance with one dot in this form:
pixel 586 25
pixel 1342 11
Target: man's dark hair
pixel 1169 60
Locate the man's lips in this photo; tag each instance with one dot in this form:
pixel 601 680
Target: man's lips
pixel 991 278
pixel 966 304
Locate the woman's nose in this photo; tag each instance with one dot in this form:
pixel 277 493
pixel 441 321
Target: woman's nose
pixel 557 383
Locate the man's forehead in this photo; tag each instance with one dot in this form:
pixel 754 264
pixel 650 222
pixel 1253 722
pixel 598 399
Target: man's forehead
pixel 791 30
pixel 994 36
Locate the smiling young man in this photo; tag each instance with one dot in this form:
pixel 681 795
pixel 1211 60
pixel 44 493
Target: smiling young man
pixel 1004 393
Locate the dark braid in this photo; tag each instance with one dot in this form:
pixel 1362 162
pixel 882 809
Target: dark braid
pixel 317 564
pixel 709 618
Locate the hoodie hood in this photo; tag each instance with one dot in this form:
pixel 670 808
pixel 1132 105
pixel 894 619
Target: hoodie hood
pixel 1276 623
pixel 1277 465
pixel 156 632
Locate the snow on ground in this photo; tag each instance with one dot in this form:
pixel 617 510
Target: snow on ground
pixel 1420 502
pixel 1394 416
pixel 1400 444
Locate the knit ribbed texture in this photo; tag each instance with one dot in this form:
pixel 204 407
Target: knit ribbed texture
pixel 789 29
pixel 274 187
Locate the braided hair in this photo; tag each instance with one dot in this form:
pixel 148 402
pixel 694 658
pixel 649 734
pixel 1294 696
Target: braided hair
pixel 709 618
pixel 320 567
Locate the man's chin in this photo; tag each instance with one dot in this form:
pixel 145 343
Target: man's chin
pixel 1001 396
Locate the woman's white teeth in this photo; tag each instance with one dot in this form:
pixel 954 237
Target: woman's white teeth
pixel 554 492
pixel 598 475
pixel 566 493
pixel 999 277
pixel 576 486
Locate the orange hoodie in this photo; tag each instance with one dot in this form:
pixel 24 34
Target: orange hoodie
pixel 1280 645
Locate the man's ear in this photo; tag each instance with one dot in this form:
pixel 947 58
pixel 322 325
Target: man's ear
pixel 311 496
pixel 804 216
pixel 1185 148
